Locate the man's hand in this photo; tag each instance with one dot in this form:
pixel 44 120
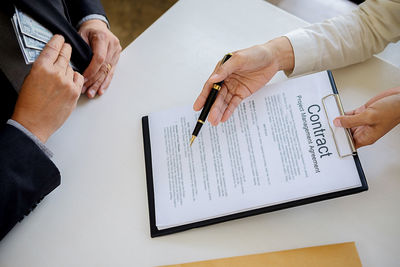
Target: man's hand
pixel 243 74
pixel 106 50
pixel 49 92
pixel 373 120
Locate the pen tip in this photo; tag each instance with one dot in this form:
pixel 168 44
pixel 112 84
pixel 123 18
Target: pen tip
pixel 192 139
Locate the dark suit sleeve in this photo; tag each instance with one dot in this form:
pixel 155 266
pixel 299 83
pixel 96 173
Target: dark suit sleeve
pixel 26 176
pixel 78 9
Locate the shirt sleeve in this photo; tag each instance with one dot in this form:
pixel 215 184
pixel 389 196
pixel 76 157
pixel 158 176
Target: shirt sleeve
pixel 36 140
pixel 346 40
pixel 93 16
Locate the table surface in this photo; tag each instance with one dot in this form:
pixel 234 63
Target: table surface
pixel 99 214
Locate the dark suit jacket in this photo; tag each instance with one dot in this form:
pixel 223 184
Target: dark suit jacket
pixel 26 173
pixel 61 16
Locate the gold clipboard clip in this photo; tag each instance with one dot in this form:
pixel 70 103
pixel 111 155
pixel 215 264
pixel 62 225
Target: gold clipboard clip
pixel 347 131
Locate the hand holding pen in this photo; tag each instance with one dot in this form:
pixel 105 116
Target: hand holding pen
pixel 243 74
pixel 209 102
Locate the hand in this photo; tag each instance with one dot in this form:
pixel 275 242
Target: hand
pixel 106 51
pixel 49 92
pixel 373 120
pixel 243 74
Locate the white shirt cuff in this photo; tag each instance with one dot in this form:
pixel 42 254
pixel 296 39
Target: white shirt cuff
pixel 305 52
pixel 31 136
pixel 93 16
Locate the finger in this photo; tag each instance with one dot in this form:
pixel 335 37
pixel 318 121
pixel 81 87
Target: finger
pixel 99 79
pixel 64 56
pixel 383 94
pixel 69 73
pixel 114 50
pixel 228 97
pixel 221 72
pixel 110 75
pixel 350 121
pixel 102 73
pixel 226 69
pixel 220 114
pixel 201 99
pixel 78 80
pixel 217 108
pixel 235 101
pixel 51 50
pixel 351 112
pixel 113 61
pixel 106 83
pixel 84 35
pixel 99 45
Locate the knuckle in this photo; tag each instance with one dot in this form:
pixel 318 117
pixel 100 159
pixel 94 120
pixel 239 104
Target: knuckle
pixel 68 47
pixel 370 117
pixel 53 46
pixel 74 92
pixel 99 58
pixel 79 76
pixel 65 84
pixel 45 54
pixel 59 77
pixel 116 43
pixel 39 67
pixel 104 70
pixel 99 36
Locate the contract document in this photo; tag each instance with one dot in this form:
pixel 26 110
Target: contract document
pixel 279 149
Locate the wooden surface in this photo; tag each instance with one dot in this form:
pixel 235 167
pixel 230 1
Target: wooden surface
pixel 336 255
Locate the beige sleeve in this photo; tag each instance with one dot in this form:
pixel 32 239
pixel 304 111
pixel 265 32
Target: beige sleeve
pixel 346 40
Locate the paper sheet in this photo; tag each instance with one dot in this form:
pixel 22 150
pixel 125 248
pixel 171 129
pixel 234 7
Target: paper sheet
pixel 276 147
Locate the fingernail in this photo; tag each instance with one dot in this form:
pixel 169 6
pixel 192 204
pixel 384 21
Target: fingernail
pixel 91 92
pixel 83 89
pixel 85 80
pixel 337 122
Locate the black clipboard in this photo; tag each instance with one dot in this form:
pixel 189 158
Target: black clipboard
pixel 155 232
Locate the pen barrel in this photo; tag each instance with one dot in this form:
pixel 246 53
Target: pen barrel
pixel 226 57
pixel 209 102
pixel 197 129
pixel 206 109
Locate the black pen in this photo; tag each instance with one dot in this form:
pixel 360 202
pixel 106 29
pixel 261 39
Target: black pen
pixel 209 102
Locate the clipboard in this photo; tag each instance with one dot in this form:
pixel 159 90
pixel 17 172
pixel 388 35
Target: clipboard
pixel 155 232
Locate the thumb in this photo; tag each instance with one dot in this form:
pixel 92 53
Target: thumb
pixel 224 70
pixel 84 35
pixel 350 121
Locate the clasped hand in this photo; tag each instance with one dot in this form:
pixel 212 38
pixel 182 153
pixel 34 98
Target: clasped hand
pixel 106 50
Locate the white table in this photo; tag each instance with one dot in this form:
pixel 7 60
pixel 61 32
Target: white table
pixel 99 214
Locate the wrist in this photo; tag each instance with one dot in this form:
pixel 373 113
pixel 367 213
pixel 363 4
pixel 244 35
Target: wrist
pixel 282 52
pixel 39 132
pixel 93 22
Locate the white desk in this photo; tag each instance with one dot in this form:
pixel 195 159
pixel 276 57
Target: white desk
pixel 99 214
